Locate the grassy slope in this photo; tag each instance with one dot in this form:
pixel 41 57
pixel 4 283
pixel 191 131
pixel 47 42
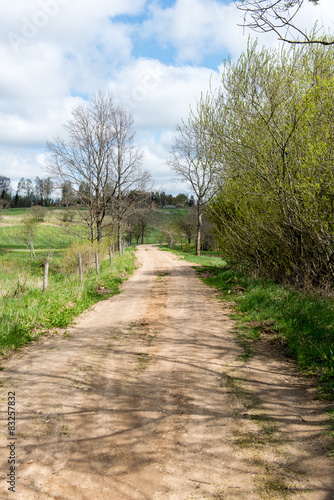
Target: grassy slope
pixel 160 218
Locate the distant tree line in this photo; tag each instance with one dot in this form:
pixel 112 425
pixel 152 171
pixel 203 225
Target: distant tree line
pixel 28 193
pixel 163 200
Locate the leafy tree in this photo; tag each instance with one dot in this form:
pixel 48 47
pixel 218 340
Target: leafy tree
pixel 5 192
pixel 181 200
pixel 273 126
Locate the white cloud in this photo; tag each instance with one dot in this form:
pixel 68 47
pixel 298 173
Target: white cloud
pixel 322 14
pixel 159 96
pixel 197 28
pixel 22 163
pixel 66 48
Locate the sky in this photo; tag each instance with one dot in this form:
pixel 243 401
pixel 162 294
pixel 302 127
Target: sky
pixel 155 56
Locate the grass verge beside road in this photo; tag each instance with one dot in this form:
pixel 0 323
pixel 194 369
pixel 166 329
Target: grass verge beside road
pixel 26 312
pixel 300 324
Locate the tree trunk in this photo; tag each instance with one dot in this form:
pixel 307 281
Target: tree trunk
pixel 91 228
pixel 32 251
pixel 119 237
pixel 199 228
pixel 99 231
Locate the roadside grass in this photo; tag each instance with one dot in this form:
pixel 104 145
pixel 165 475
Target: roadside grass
pixel 206 259
pixel 26 312
pixel 300 324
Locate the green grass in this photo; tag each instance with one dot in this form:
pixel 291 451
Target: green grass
pixel 47 237
pixel 162 217
pixel 15 211
pixel 26 312
pixel 300 324
pixel 206 259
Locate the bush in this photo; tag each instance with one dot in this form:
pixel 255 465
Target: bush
pixel 87 250
pixel 38 212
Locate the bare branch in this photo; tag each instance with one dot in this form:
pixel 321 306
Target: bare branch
pixel 277 15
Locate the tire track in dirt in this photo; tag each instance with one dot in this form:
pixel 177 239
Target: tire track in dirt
pixel 147 400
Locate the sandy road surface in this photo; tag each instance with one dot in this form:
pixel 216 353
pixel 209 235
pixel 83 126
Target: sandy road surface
pixel 145 399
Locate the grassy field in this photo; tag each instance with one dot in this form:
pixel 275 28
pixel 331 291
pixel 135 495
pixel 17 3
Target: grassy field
pixel 47 237
pixel 25 311
pixel 162 217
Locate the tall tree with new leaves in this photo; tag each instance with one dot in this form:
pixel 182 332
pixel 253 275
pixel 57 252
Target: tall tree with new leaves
pixel 273 123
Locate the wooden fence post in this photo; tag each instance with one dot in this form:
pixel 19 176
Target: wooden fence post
pixel 97 263
pixel 80 266
pixel 110 256
pixel 46 272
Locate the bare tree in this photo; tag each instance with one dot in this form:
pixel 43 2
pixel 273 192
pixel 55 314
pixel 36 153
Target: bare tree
pixel 28 232
pixel 84 159
pixel 187 224
pixel 140 220
pixel 193 161
pixel 130 178
pixel 278 16
pixel 43 190
pixel 98 162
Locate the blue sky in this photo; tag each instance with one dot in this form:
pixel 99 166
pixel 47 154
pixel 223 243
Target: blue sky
pixel 155 56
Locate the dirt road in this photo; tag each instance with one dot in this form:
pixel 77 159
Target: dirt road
pixel 145 398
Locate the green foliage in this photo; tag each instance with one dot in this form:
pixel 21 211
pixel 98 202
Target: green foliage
pixel 87 251
pixel 38 212
pixel 206 259
pixel 274 128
